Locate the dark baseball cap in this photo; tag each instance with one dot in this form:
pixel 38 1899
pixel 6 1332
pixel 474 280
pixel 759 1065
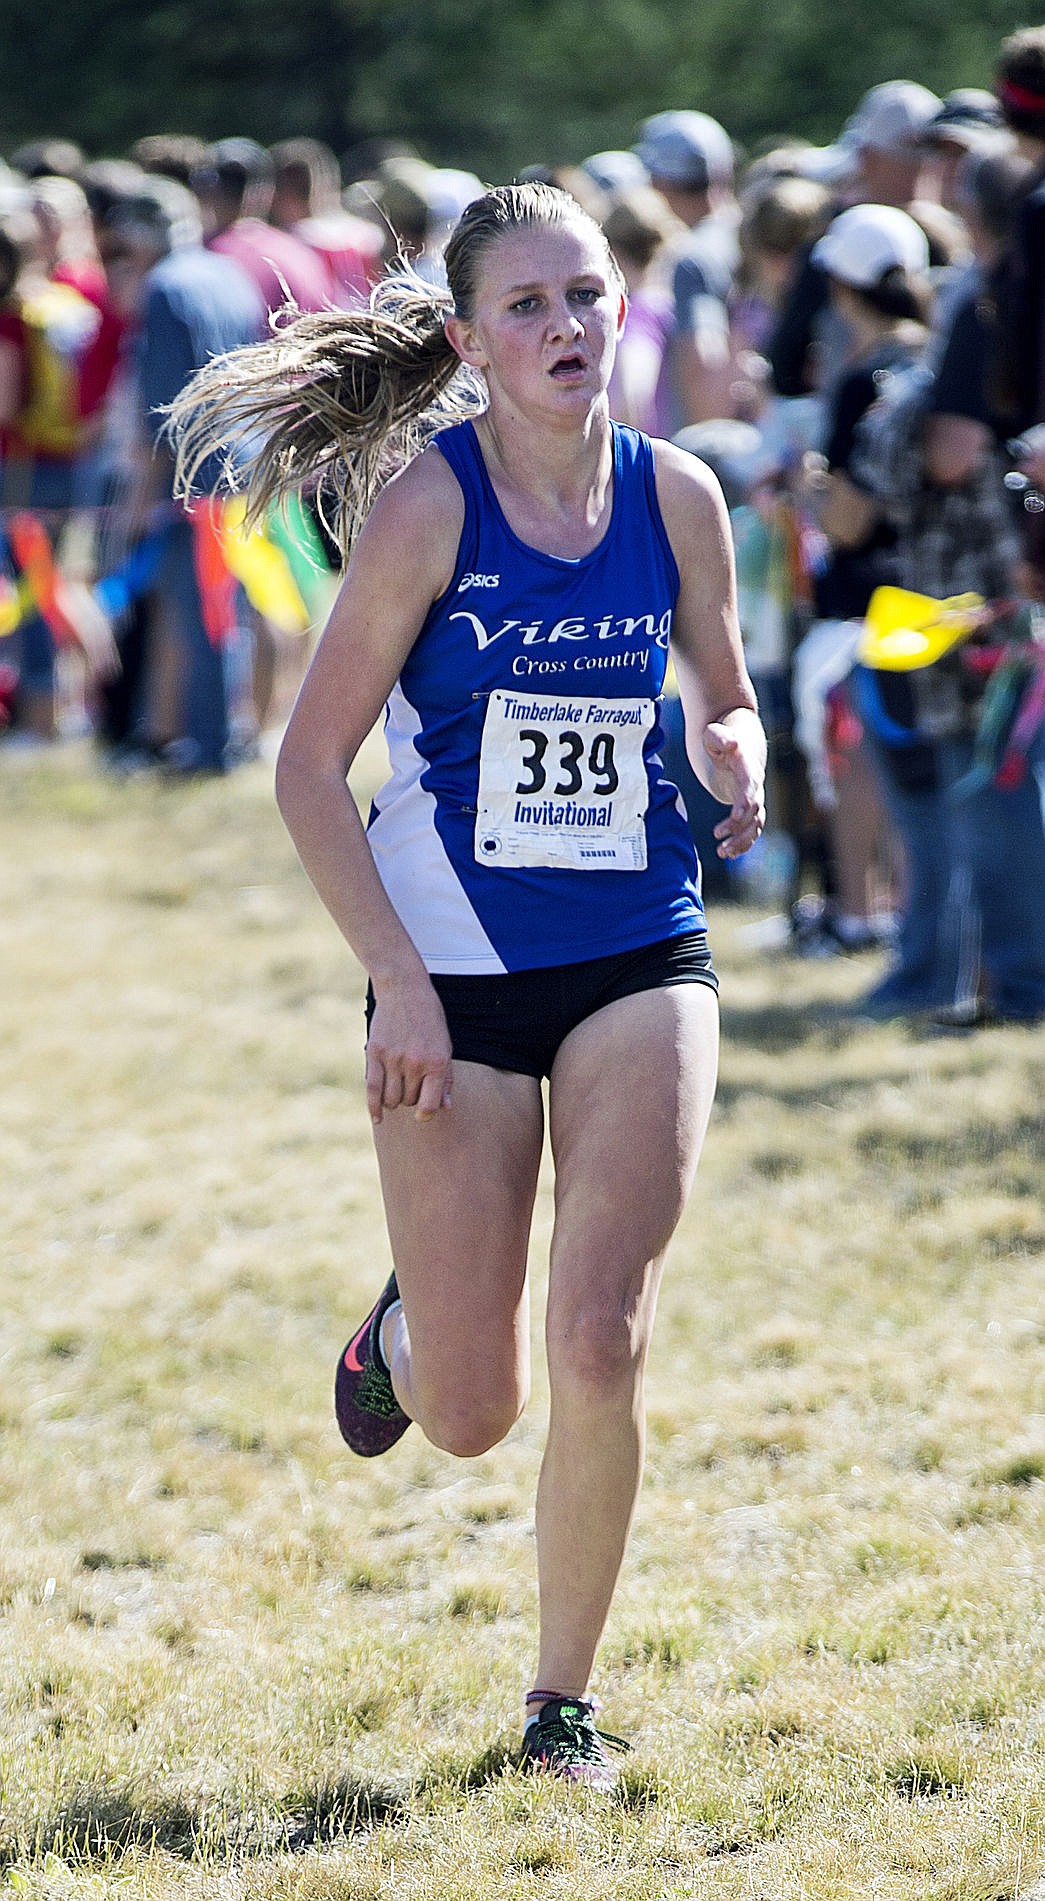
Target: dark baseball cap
pixel 968 117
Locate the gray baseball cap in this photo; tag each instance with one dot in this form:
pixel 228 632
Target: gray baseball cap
pixel 688 149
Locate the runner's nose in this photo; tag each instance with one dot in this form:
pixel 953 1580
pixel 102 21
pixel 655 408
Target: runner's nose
pixel 565 323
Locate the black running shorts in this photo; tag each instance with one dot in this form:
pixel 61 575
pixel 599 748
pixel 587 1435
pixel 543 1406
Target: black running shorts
pixel 518 1021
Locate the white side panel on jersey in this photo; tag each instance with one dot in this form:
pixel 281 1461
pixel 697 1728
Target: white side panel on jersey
pixel 413 863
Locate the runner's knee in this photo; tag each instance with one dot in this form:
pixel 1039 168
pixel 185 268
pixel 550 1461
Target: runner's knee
pixel 595 1346
pixel 465 1422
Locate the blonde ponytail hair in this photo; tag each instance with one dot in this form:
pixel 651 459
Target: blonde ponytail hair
pixel 335 400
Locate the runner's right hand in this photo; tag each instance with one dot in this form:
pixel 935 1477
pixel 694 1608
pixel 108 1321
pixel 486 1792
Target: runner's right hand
pixel 408 1054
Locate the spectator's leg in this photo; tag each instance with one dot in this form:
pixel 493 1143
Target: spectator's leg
pixel 204 722
pixel 931 963
pixel 1002 840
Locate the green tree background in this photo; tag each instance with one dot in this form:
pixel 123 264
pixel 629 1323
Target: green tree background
pixel 491 84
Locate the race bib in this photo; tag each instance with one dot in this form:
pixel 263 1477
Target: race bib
pixel 562 783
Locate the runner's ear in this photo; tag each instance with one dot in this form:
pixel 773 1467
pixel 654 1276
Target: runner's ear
pixel 461 337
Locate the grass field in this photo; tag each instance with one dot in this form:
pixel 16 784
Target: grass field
pixel 237 1665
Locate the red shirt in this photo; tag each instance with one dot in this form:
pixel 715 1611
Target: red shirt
pixel 279 264
pixel 99 364
pixel 350 248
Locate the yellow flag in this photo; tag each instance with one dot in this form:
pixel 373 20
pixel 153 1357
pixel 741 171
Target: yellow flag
pixel 903 630
pixel 263 570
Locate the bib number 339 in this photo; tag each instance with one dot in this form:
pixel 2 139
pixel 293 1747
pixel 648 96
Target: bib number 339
pixel 562 783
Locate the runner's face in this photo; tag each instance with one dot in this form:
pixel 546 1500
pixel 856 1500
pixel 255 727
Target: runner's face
pixel 546 319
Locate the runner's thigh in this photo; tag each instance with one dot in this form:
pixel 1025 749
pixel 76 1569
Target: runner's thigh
pixel 631 1093
pixel 458 1193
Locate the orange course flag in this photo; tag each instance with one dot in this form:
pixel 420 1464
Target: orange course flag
pixel 216 584
pixel 31 547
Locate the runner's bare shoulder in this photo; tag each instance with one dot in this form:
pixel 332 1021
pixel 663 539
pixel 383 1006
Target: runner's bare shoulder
pixel 689 494
pixel 415 524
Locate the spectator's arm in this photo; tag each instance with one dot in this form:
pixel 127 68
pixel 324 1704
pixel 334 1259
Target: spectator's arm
pixel 846 514
pixel 11 381
pixel 790 344
pixel 702 351
pixel 704 371
pixel 954 448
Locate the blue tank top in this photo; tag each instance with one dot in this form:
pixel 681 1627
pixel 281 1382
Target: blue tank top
pixel 527 820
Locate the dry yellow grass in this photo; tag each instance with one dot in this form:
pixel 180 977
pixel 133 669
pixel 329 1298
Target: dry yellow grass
pixel 235 1665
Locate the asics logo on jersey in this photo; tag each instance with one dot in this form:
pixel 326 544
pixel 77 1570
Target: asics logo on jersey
pixel 478 580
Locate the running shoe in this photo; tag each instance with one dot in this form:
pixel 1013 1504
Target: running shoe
pixel 564 1742
pixel 369 1416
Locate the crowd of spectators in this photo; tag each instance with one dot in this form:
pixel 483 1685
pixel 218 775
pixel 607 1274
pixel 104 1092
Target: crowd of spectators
pixel 852 335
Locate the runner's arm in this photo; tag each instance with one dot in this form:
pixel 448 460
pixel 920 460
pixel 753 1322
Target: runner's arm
pixel 402 561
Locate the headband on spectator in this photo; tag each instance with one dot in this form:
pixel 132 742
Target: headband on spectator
pixel 1020 98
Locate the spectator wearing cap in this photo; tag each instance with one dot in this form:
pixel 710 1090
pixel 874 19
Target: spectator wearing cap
pixel 884 138
pixel 1020 373
pixel 306 201
pixel 690 161
pixel 878 159
pixel 875 261
pixel 614 171
pixel 235 188
pixel 973 916
pixel 48 158
pixel 449 191
pixel 969 120
pixel 107 182
pixel 399 192
pixel 190 304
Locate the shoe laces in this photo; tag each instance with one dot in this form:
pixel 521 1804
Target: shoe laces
pixel 571 1732
pixel 374 1394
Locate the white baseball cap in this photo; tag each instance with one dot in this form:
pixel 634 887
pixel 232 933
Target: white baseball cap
pixel 892 117
pixel 450 192
pixel 863 243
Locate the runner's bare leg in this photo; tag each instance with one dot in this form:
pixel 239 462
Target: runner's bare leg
pixel 631 1093
pixel 458 1194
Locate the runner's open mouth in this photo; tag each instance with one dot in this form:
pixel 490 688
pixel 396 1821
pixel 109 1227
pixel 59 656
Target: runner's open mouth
pixel 568 366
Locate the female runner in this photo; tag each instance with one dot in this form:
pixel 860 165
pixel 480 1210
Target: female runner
pixel 525 899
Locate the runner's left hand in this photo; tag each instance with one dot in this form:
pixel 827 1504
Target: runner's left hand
pixel 738 780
